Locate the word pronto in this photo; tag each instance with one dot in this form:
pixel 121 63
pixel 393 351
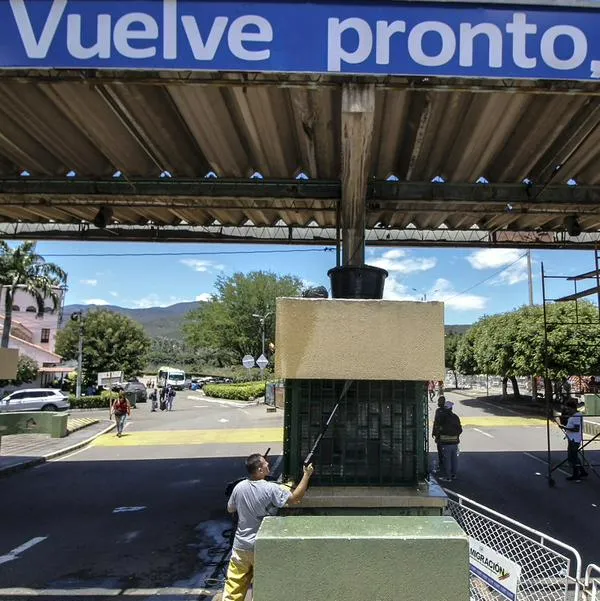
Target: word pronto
pixel 449 43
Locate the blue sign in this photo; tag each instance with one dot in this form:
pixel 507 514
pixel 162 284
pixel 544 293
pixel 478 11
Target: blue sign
pixel 442 40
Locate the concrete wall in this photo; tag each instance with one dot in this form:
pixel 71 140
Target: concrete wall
pixel 335 339
pixel 361 558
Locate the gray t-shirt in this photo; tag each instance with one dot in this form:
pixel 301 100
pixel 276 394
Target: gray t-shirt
pixel 253 500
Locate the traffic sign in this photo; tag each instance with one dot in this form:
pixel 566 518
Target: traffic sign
pixel 248 361
pixel 262 362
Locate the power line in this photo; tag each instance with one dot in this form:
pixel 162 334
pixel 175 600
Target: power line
pixel 196 254
pixel 486 279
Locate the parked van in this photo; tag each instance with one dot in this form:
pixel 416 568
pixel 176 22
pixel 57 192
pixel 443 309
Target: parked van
pixel 171 376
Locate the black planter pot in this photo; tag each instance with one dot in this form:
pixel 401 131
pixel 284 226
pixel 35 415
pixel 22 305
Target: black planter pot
pixel 357 281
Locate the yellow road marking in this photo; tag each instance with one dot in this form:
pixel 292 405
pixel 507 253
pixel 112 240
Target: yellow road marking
pixel 259 435
pixel 494 421
pixel 191 437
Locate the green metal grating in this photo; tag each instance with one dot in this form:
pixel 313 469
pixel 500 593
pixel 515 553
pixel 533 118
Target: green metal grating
pixel 378 436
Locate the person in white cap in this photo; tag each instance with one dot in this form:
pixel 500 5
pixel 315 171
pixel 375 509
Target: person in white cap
pixel 447 432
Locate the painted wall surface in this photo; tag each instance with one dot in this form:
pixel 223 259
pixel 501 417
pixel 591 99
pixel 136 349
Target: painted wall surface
pixel 29 319
pixel 334 339
pixel 359 558
pixel 8 363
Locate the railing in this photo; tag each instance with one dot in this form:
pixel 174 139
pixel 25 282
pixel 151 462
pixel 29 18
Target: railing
pixel 550 570
pixel 591 584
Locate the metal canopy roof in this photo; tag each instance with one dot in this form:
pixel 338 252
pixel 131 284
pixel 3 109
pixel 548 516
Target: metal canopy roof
pixel 187 125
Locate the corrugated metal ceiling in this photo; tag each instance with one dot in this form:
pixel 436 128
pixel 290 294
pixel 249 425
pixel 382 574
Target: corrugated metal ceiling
pixel 233 125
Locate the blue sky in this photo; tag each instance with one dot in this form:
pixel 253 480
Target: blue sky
pixel 470 282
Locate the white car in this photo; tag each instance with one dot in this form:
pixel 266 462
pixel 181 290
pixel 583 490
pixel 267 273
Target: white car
pixel 35 399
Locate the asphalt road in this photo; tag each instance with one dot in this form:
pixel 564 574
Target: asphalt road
pixel 134 516
pixel 143 516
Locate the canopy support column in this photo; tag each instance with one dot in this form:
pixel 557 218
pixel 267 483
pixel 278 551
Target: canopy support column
pixel 358 112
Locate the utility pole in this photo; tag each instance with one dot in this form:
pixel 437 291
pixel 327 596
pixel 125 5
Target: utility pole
pixel 530 281
pixel 78 316
pixel 530 277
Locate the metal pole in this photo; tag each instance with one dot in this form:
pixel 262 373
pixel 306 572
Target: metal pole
pixel 530 280
pixel 530 277
pixel 79 358
pixel 262 325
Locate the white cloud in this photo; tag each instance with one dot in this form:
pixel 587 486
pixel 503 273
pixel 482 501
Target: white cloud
pixel 443 290
pixel 202 266
pixel 89 282
pixel 399 261
pixel 395 290
pixel 204 297
pixel 153 300
pixel 494 258
pixel 113 293
pixel 96 301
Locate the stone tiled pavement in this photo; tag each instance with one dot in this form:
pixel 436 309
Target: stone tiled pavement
pixel 25 450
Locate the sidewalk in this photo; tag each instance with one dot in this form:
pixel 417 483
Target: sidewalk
pixel 21 451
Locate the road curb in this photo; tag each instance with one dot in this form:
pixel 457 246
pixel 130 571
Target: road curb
pixel 78 445
pixel 35 461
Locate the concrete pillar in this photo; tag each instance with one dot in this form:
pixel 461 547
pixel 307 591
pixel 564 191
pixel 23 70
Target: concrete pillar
pixel 358 112
pixel 350 558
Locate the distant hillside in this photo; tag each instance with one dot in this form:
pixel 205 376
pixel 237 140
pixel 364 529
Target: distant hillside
pixel 166 322
pixel 457 329
pixel 157 321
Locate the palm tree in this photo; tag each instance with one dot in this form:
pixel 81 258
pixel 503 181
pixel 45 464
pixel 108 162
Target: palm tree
pixel 22 268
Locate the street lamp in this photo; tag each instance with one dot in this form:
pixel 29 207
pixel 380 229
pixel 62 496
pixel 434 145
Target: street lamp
pixel 262 319
pixel 78 316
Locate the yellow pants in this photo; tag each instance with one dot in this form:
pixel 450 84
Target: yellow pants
pixel 239 575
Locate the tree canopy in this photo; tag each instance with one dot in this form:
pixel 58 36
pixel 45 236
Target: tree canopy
pixel 22 268
pixel 512 344
pixel 227 325
pixel 111 342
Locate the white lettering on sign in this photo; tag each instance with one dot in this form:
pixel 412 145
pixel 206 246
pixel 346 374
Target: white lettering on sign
pixel 246 35
pixel 221 36
pixel 580 47
pixel 468 33
pixel 415 44
pixel 358 48
pixel 124 33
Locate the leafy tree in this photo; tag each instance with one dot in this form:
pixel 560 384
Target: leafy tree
pixel 111 342
pixel 451 345
pixel 22 268
pixel 227 326
pixel 27 371
pixel 465 361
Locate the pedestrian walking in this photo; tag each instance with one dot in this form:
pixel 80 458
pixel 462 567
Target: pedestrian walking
pixel 574 432
pixel 120 408
pixel 447 431
pixel 435 434
pixel 253 499
pixel 153 400
pixel 431 390
pixel 170 398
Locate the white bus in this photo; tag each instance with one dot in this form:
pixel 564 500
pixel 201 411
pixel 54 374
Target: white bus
pixel 170 376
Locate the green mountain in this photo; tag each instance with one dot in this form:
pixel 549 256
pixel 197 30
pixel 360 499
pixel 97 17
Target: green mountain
pixel 166 322
pixel 162 322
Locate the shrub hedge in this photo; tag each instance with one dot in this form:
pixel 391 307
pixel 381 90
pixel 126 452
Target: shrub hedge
pixel 245 391
pixel 90 402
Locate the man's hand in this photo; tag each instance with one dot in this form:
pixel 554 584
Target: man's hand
pixel 308 470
